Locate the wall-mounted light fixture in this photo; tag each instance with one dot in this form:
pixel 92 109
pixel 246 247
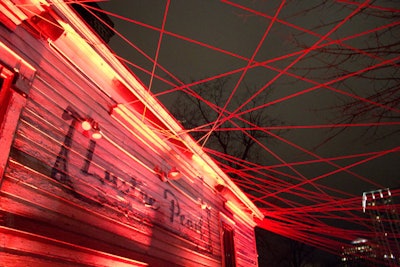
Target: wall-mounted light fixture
pixel 91 128
pixel 174 174
pixel 96 134
pixel 86 124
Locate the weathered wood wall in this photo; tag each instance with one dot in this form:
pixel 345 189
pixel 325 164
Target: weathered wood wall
pixel 69 200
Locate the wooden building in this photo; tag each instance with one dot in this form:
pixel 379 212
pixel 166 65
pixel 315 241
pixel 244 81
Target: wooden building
pixel 93 170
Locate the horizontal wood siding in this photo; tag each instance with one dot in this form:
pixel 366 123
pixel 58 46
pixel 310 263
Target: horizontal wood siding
pixel 53 253
pixel 89 202
pixel 63 186
pixel 246 251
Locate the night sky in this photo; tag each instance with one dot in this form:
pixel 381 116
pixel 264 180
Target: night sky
pixel 318 61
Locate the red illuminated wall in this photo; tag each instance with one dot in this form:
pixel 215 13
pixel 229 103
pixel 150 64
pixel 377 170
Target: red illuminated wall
pixel 68 199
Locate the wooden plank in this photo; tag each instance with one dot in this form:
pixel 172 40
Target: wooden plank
pixel 246 251
pixel 19 259
pixel 64 235
pixel 48 249
pixel 48 208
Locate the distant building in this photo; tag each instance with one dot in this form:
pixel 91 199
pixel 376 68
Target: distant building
pixel 360 253
pixel 383 249
pixel 385 224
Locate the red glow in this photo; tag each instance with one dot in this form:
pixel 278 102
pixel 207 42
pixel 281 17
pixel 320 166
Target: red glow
pixel 304 221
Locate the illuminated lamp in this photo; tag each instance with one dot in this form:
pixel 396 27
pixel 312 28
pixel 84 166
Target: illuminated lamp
pixel 174 174
pixel 87 124
pixel 96 131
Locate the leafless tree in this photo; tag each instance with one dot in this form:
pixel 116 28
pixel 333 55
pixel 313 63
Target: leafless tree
pixel 199 112
pixel 376 91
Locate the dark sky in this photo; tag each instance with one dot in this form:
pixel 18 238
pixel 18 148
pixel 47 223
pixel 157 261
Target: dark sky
pixel 206 38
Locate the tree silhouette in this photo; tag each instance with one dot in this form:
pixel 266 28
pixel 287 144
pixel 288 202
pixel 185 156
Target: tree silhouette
pixel 198 111
pixel 375 93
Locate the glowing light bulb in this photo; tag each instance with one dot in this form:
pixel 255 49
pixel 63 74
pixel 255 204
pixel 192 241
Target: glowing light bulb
pixel 96 131
pixel 97 135
pixel 86 125
pixel 174 174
